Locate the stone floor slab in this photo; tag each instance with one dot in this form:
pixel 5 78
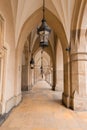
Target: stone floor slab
pixel 42 109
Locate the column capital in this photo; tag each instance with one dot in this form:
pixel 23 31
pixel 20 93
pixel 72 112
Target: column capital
pixel 78 33
pixel 80 56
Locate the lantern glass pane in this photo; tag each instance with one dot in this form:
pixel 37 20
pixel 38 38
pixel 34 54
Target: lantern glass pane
pixel 43 38
pixel 32 66
pixel 44 32
pixel 41 32
pixel 46 38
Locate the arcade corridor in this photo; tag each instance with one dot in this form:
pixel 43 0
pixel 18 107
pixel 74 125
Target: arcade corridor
pixel 43 40
pixel 42 109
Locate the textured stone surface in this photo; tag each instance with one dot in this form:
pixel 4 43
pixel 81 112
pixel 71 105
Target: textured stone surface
pixel 42 109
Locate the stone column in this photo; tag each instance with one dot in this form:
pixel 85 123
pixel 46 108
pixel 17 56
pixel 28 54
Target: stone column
pixel 25 78
pixel 79 81
pixel 54 79
pixel 59 67
pixel 26 67
pixel 32 75
pixel 29 78
pixel 59 80
pixel 78 91
pixel 51 77
pixel 1 79
pixel 3 56
pixel 66 92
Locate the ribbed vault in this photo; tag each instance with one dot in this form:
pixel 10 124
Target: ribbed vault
pixel 67 11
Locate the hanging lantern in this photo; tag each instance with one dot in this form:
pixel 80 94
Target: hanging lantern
pixel 44 30
pixel 32 63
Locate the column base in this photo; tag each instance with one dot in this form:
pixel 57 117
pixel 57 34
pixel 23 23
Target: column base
pixel 6 106
pixel 14 101
pixel 18 99
pixel 24 88
pixel 30 87
pixel 66 100
pixel 79 103
pixel 53 88
pixel 59 88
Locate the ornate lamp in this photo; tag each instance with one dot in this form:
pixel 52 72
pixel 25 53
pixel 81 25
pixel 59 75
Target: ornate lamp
pixel 32 63
pixel 44 30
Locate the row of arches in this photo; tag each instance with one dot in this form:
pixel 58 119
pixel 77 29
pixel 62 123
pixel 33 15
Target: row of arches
pixel 48 61
pixel 68 91
pixel 70 63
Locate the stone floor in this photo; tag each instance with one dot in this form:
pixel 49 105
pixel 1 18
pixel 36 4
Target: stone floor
pixel 42 109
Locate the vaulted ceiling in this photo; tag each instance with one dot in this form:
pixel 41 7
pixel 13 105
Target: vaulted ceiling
pixel 65 10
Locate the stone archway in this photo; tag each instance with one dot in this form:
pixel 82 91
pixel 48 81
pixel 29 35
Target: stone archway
pixel 46 66
pixel 57 27
pixel 50 53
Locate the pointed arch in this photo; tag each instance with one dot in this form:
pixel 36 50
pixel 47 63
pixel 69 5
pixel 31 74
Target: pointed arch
pixel 32 22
